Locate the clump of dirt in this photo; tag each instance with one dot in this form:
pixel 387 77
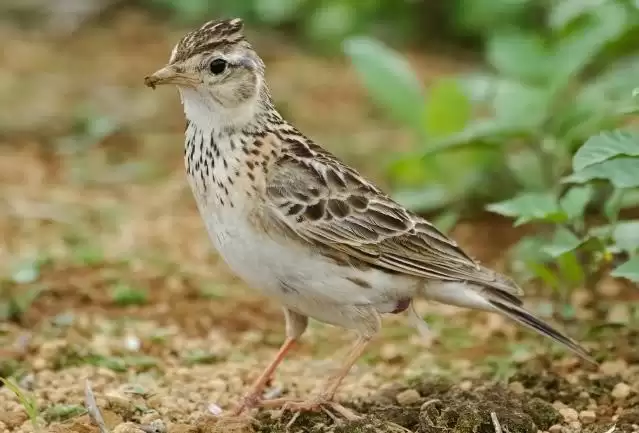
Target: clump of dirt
pixel 441 408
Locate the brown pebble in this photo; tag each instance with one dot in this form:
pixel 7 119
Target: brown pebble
pixel 555 429
pixel 587 416
pixel 121 405
pixel 184 428
pixel 517 387
pixel 466 385
pixel 408 397
pixel 13 419
pixel 569 414
pixel 127 427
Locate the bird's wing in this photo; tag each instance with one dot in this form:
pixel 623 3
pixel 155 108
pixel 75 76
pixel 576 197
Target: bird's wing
pixel 328 204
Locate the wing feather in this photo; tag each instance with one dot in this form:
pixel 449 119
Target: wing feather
pixel 328 203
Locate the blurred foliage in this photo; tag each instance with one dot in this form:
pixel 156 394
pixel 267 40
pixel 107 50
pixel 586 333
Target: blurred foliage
pixel 512 132
pixel 573 250
pixel 484 136
pixel 325 22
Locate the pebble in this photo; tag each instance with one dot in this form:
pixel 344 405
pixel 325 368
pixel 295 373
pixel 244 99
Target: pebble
pixel 587 416
pixel 408 397
pixel 555 429
pixel 569 414
pixel 619 313
pixel 127 427
pixel 517 387
pixel 620 391
pixel 39 364
pixel 613 368
pixel 575 426
pixel 155 426
pixel 466 385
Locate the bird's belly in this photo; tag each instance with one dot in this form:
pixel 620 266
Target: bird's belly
pixel 297 275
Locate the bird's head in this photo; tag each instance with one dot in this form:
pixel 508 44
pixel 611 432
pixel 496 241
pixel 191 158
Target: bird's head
pixel 218 74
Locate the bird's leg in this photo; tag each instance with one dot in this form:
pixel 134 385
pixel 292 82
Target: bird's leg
pixel 254 395
pixel 327 394
pixel 295 327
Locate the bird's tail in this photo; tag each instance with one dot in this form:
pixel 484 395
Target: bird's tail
pixel 519 314
pixel 494 298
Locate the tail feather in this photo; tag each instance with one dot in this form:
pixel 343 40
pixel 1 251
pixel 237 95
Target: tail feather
pixel 520 315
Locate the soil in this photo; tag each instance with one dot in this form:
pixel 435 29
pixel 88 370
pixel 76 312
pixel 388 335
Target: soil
pixel 98 223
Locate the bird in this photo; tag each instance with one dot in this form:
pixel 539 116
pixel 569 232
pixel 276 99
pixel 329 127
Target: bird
pixel 294 221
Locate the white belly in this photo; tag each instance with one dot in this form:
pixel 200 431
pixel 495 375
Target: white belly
pixel 297 276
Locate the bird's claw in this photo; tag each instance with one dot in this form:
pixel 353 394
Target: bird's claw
pixel 249 401
pixel 314 405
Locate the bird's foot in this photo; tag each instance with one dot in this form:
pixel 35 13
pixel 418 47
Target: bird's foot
pixel 248 402
pixel 314 405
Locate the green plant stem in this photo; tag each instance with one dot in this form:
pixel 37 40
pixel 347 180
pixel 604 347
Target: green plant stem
pixel 545 160
pixel 613 209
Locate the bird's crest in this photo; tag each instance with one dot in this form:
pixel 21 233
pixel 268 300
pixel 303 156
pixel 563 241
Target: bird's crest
pixel 212 35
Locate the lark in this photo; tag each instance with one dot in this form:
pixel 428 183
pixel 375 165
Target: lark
pixel 291 219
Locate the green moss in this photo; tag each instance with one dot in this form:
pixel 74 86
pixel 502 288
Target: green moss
pixel 543 413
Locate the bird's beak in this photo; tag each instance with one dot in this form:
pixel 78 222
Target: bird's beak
pixel 169 75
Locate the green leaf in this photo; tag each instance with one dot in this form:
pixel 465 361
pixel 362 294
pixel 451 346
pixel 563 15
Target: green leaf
pixel 604 146
pixel 575 200
pixel 479 133
pixel 528 207
pixel 388 78
pixel 626 235
pixel 613 203
pixel 448 109
pixel 579 49
pixel 277 11
pixel 564 12
pixel 563 242
pixel 519 55
pixel 629 270
pixel 621 172
pixel 616 83
pixel 520 104
pixel 425 199
pixel 332 21
pixel 526 167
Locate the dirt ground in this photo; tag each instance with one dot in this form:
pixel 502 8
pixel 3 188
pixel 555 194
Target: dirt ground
pixel 114 280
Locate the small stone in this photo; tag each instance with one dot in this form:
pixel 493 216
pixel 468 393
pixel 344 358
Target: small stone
pixel 620 391
pixel 155 426
pixel 148 418
pixel 408 397
pixel 609 287
pixel 13 419
pixel 390 352
pixel 619 313
pixel 127 427
pixel 554 429
pixel 569 414
pixel 517 387
pixel 39 364
pixel 613 368
pixel 575 426
pixel 466 385
pixel 184 428
pixel 120 405
pixel 587 416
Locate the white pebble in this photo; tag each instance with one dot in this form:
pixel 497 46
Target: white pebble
pixel 569 414
pixel 620 391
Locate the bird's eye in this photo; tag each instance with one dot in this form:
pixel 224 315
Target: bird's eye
pixel 217 66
